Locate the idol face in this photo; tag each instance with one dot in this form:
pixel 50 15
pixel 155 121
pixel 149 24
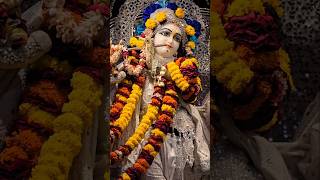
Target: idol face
pixel 167 40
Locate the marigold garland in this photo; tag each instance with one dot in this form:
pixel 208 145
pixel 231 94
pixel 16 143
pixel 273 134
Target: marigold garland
pixel 248 61
pixel 184 72
pixel 147 119
pixel 121 97
pixel 227 61
pixel 119 125
pixel 177 76
pixel 65 143
pixel 158 133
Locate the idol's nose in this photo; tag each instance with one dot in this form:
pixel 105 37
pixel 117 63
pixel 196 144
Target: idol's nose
pixel 169 41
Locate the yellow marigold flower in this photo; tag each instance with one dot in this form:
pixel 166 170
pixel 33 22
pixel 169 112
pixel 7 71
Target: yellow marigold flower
pixel 220 46
pixel 131 100
pixel 243 7
pixel 44 170
pixel 133 141
pixel 154 153
pixel 130 144
pixel 125 176
pixel 149 148
pixel 161 16
pixel 183 85
pixel 153 109
pixel 190 30
pixel 198 80
pixel 143 126
pixel 38 176
pixel 239 81
pixel 217 31
pixel 135 87
pixel 140 43
pixel 191 44
pixel 157 132
pixel 137 137
pixel 226 73
pixel 59 161
pixel 57 148
pixel 215 18
pixel 130 58
pixel 186 63
pixel 195 61
pixel 179 13
pixel 122 98
pixel 133 41
pixel 151 115
pixel 171 92
pixel 68 121
pixel 126 115
pixel 221 61
pixel 165 107
pixel 140 132
pixel 71 141
pixel 121 124
pixel 41 117
pixel 151 24
pixel 82 81
pixel 172 66
pixel 135 96
pixel 86 96
pixel 175 72
pixel 147 121
pixel 79 109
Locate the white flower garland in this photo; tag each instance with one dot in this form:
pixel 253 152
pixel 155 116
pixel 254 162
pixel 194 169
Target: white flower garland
pixel 67 28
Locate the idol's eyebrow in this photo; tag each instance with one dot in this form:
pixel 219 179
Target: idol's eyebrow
pixel 166 29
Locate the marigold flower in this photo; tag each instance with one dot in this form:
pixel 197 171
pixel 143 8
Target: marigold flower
pixel 151 24
pixel 191 44
pixel 161 16
pixel 179 13
pixel 190 30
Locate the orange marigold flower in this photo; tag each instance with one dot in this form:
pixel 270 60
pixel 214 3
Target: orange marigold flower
pixel 12 154
pixel 143 162
pixel 140 168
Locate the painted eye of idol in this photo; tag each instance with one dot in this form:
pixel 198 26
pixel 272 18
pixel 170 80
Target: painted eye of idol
pixel 167 33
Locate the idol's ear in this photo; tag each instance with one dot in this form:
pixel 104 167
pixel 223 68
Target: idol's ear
pixel 38 44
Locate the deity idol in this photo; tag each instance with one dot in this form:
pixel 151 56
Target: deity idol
pixel 155 130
